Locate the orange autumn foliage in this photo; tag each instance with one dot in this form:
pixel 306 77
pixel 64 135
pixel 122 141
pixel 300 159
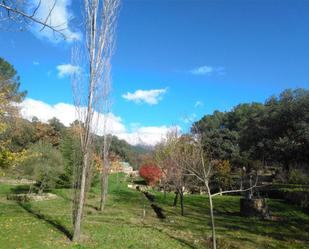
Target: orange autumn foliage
pixel 151 173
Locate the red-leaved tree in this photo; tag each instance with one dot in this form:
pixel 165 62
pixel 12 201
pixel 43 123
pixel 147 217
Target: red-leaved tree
pixel 151 173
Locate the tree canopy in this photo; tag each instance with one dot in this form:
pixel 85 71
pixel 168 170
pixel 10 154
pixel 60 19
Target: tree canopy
pixel 9 96
pixel 274 133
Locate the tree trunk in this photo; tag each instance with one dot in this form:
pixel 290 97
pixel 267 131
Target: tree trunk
pixel 214 245
pixel 104 188
pixel 241 183
pixel 80 208
pixel 41 188
pixel 105 169
pixel 102 200
pixel 175 199
pixel 30 189
pixel 104 177
pixel 40 191
pixel 181 203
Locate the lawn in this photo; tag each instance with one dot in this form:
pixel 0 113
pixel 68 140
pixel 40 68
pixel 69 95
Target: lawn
pixel 47 224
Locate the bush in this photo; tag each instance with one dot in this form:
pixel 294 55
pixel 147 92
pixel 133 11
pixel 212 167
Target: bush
pixel 298 176
pixel 222 173
pixel 151 173
pixel 45 165
pixel 72 157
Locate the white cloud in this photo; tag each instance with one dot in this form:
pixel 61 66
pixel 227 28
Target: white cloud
pixel 198 104
pixel 67 69
pixel 36 63
pixel 34 108
pixel 206 70
pixel 66 113
pixel 59 18
pixel 151 97
pixel 148 135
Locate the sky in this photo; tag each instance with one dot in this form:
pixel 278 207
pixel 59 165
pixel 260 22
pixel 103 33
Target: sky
pixel 174 61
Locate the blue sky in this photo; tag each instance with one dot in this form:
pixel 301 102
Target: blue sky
pixel 198 56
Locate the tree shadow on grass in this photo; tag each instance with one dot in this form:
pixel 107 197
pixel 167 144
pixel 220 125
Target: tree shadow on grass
pixel 286 230
pixel 20 189
pixel 56 224
pixel 159 211
pixel 70 199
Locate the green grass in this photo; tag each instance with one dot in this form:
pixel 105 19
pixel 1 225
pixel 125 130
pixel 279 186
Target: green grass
pixel 47 224
pixel 290 187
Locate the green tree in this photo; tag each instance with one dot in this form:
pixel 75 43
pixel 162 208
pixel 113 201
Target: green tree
pixel 9 96
pixel 45 165
pixel 9 88
pixel 255 135
pixel 70 150
pixel 219 142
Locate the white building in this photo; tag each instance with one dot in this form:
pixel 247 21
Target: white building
pixel 126 167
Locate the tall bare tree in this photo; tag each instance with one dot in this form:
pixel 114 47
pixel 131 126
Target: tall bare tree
pixel 106 105
pixel 91 88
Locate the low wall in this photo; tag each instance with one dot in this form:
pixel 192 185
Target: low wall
pixel 31 197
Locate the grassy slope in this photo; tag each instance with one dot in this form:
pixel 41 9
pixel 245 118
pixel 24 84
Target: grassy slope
pixel 45 224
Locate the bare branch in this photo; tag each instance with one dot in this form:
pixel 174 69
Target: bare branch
pixel 31 17
pixel 49 13
pixel 239 190
pixel 36 9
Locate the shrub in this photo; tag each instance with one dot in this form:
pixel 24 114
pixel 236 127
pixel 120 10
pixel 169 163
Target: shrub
pixel 45 166
pixel 222 173
pixel 151 173
pixel 72 160
pixel 298 176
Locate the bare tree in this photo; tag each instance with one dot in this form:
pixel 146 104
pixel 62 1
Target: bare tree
pixel 107 138
pixel 168 157
pixel 187 153
pixel 105 164
pixel 160 157
pixel 202 168
pixel 22 13
pixel 91 89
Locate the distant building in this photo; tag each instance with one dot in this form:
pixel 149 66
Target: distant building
pixel 116 165
pixel 126 167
